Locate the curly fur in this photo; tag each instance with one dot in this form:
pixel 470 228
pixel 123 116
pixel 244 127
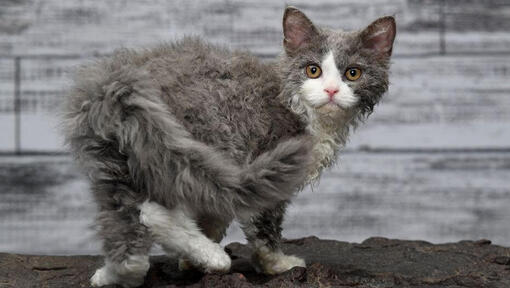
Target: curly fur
pixel 189 126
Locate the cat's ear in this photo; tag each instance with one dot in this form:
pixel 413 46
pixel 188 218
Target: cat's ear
pixel 378 37
pixel 298 30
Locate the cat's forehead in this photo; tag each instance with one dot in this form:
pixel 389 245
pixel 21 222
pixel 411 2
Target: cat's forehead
pixel 342 44
pixel 341 40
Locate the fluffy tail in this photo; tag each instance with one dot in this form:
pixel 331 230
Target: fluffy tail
pixel 277 174
pixel 112 104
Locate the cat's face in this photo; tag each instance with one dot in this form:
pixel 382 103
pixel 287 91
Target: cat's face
pixel 330 72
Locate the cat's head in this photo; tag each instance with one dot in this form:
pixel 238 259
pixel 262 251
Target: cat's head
pixel 335 72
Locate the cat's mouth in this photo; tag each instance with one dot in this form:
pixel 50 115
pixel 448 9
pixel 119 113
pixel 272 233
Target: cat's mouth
pixel 336 104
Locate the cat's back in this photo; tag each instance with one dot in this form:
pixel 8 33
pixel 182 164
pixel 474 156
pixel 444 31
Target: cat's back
pixel 224 98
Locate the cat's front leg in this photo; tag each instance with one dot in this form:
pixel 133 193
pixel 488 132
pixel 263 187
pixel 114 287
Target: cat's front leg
pixel 263 232
pixel 214 227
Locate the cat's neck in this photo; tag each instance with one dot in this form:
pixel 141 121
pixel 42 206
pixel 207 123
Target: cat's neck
pixel 329 127
pixel 330 130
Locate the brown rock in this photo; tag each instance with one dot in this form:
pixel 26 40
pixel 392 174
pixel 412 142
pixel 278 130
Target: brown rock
pixel 377 262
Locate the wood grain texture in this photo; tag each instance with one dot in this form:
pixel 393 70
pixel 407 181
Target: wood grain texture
pixel 433 102
pixel 452 101
pixel 438 197
pixel 477 26
pixel 442 102
pixel 6 85
pixel 70 27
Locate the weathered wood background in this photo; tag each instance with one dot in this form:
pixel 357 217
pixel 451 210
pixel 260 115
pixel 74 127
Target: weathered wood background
pixel 433 161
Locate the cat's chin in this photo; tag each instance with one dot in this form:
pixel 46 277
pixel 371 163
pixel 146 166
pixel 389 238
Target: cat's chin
pixel 329 108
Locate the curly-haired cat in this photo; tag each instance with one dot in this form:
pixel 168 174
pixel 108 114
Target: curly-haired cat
pixel 181 139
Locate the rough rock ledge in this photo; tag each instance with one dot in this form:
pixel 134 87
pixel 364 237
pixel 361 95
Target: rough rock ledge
pixel 377 262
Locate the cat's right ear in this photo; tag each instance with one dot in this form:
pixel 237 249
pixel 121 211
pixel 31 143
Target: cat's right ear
pixel 298 30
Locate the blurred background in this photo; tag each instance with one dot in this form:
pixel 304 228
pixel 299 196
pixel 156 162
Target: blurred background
pixel 432 162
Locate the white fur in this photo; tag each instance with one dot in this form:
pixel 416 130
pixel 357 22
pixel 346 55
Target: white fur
pixel 177 233
pixel 275 262
pixel 313 89
pixel 328 120
pixel 129 273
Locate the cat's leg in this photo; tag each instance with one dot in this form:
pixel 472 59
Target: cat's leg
pixel 126 242
pixel 263 232
pixel 214 228
pixel 178 233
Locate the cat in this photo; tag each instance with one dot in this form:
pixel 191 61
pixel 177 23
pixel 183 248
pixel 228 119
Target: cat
pixel 181 139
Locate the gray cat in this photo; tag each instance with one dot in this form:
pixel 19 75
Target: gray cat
pixel 181 139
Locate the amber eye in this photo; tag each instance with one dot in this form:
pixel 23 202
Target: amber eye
pixel 313 71
pixel 353 74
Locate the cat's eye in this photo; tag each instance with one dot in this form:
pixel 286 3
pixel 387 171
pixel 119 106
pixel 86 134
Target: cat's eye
pixel 313 71
pixel 353 74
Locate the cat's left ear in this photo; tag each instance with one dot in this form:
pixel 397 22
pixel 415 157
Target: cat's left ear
pixel 378 37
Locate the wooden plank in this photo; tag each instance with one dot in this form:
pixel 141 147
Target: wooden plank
pixel 442 102
pixel 73 26
pixel 477 26
pixel 447 89
pixel 257 24
pixel 43 88
pixel 472 15
pixel 70 27
pixel 433 102
pixel 44 82
pixel 435 197
pixel 6 85
pixel 6 104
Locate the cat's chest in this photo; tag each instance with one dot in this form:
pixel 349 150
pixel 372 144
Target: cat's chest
pixel 324 154
pixel 328 141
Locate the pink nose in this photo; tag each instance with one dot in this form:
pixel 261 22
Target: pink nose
pixel 331 91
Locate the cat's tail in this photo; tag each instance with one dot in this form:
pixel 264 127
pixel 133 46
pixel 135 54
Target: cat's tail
pixel 120 109
pixel 276 174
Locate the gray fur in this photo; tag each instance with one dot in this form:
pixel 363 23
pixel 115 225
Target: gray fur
pixel 188 123
pixel 121 102
pixel 265 228
pixel 350 48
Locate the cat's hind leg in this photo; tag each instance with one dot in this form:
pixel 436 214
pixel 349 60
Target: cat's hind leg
pixel 126 242
pixel 263 232
pixel 178 233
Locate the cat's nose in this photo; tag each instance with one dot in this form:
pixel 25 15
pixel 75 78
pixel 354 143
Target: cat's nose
pixel 331 91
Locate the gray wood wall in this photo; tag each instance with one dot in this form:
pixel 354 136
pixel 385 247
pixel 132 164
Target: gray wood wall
pixel 449 89
pixel 431 163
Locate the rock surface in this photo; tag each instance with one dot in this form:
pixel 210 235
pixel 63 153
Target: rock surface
pixel 377 262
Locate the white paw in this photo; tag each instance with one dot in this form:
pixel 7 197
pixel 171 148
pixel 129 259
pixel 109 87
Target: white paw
pixel 285 263
pixel 273 263
pixel 128 273
pixel 102 277
pixel 212 259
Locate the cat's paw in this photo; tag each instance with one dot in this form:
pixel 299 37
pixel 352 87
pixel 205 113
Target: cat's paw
pixel 273 263
pixel 128 273
pixel 106 276
pixel 103 277
pixel 212 259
